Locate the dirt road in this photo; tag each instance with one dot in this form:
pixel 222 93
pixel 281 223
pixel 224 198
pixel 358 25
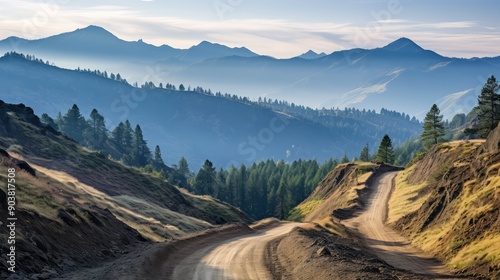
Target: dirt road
pixel 386 243
pixel 236 258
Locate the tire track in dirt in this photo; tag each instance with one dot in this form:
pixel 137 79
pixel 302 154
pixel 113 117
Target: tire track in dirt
pixel 241 257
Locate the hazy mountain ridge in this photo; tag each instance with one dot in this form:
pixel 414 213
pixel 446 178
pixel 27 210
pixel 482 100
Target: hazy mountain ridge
pixel 361 78
pixel 176 119
pixel 95 42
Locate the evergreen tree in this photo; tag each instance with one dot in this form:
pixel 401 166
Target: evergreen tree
pixel 158 160
pixel 128 137
pixel 205 179
pixel 241 185
pixel 231 183
pixel 365 154
pixel 385 152
pixel 488 107
pixel 222 191
pixel 345 159
pixel 283 197
pixel 96 133
pixel 183 167
pixel 117 135
pixel 433 127
pixel 141 153
pixel 74 124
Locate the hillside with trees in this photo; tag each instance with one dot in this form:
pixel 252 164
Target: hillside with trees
pixel 263 189
pixel 229 129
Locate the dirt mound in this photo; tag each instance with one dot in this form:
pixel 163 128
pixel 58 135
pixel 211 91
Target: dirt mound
pixel 315 254
pixel 342 193
pixel 460 220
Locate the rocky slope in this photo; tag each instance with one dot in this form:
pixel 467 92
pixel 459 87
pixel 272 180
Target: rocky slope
pixel 76 209
pixel 451 201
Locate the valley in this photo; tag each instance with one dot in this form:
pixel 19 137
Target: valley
pixel 249 140
pixel 167 230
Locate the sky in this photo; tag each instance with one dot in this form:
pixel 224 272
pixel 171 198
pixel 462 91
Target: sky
pixel 280 28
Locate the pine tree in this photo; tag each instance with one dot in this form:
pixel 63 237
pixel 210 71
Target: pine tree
pixel 127 137
pixel 488 107
pixel 221 187
pixel 345 158
pixel 95 134
pixel 117 135
pixel 183 167
pixel 141 153
pixel 74 124
pixel 283 197
pixel 158 160
pixel 205 179
pixel 433 127
pixel 385 152
pixel 365 154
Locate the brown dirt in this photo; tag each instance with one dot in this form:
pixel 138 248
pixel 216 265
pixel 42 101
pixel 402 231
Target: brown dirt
pixel 157 261
pixel 316 254
pixel 336 192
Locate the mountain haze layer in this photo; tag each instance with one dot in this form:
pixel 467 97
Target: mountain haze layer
pixel 186 123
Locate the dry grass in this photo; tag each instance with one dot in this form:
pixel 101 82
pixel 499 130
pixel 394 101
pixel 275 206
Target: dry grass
pixel 477 199
pixel 484 249
pixel 333 227
pixel 299 212
pixel 152 221
pixel 405 198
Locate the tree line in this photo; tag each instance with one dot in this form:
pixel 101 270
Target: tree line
pixel 125 142
pixel 263 189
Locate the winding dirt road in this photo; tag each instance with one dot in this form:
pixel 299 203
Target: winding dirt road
pixel 236 258
pixel 385 242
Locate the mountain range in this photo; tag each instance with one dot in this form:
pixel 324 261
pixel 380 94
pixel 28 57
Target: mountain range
pixel 196 125
pixel 401 76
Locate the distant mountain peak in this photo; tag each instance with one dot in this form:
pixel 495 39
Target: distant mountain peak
pixel 403 45
pixel 206 48
pixel 93 30
pixel 310 54
pixel 206 43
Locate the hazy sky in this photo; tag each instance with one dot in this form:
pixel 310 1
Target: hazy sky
pixel 281 28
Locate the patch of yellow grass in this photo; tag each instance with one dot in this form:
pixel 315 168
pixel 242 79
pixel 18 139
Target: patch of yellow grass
pixel 472 204
pixel 333 228
pixel 363 178
pixel 405 198
pixel 299 212
pixel 486 248
pixel 152 221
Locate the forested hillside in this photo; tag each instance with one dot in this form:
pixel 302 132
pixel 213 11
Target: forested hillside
pixel 263 189
pixel 195 122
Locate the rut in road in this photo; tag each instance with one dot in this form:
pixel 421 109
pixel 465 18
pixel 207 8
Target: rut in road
pixel 236 258
pixel 385 242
